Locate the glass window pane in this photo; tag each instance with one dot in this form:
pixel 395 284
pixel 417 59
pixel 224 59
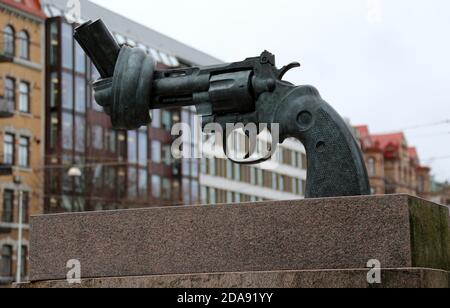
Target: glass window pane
pixel 143 183
pixel 24 97
pixel 8 206
pixel 7 261
pixel 10 93
pixel 167 155
pixel 186 186
pixel 8 149
pixel 24 42
pixel 67 90
pixel 54 43
pixel 67 46
pixel 143 146
pixel 80 59
pixel 166 120
pixel 8 39
pixel 80 141
pixel 156 119
pixel 166 189
pixel 132 147
pixel 112 141
pixel 54 124
pixel 24 144
pixel 67 128
pixel 156 151
pixel 80 98
pixel 156 186
pixel 97 137
pixel 195 192
pixel 54 89
pixel 132 183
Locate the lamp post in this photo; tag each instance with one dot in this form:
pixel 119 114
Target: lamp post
pixel 74 173
pixel 20 240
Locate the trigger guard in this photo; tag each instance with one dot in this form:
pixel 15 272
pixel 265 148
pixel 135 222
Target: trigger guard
pixel 254 162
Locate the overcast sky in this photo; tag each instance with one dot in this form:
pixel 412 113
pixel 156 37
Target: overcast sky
pixel 385 63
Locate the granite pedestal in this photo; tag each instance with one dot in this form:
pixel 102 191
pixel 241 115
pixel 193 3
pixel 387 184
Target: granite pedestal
pixel 305 243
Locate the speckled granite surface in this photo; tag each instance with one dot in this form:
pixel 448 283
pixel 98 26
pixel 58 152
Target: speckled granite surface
pixel 339 233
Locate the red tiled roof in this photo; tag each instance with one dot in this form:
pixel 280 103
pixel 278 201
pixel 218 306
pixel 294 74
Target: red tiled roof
pixel 32 7
pixel 413 153
pixel 383 141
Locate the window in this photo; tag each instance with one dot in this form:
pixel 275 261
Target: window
pixel 9 41
pixel 132 183
pixel 54 44
pixel 80 95
pixel 195 191
pixel 8 206
pixel 8 149
pixel 67 46
pixel 54 124
pixel 421 185
pixel 67 131
pixel 97 137
pixel 156 151
pixel 304 161
pixel 166 191
pixel 156 186
pixel 156 119
pixel 24 97
pixel 186 186
pixel 371 167
pixel 54 89
pixel 24 151
pixel 166 155
pixel 132 147
pixel 24 41
pixel 166 120
pixel 274 181
pixel 80 131
pixel 143 149
pixel 24 263
pixel 25 207
pixel 212 196
pixel 10 92
pixel 112 142
pixel 80 59
pixel 143 183
pixel 7 261
pixel 67 90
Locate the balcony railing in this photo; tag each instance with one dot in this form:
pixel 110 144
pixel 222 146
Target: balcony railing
pixel 5 55
pixel 6 169
pixel 6 108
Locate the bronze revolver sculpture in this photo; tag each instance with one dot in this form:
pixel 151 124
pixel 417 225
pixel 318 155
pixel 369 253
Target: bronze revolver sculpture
pixel 251 91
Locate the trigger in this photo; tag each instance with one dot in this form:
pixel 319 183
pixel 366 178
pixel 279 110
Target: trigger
pixel 287 68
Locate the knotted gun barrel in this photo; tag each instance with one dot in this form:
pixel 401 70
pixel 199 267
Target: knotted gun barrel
pixel 249 92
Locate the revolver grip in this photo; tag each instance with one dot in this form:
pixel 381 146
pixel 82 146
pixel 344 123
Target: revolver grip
pixel 335 162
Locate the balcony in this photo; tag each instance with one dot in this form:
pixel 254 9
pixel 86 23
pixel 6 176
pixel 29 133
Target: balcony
pixel 6 169
pixel 6 108
pixel 5 56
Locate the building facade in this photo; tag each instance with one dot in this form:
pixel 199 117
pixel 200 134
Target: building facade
pixel 439 193
pixel 21 128
pixel 393 166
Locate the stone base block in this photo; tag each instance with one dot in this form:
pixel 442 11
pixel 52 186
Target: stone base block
pixel 390 278
pixel 338 233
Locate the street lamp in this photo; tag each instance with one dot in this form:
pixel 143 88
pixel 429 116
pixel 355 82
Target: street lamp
pixel 74 172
